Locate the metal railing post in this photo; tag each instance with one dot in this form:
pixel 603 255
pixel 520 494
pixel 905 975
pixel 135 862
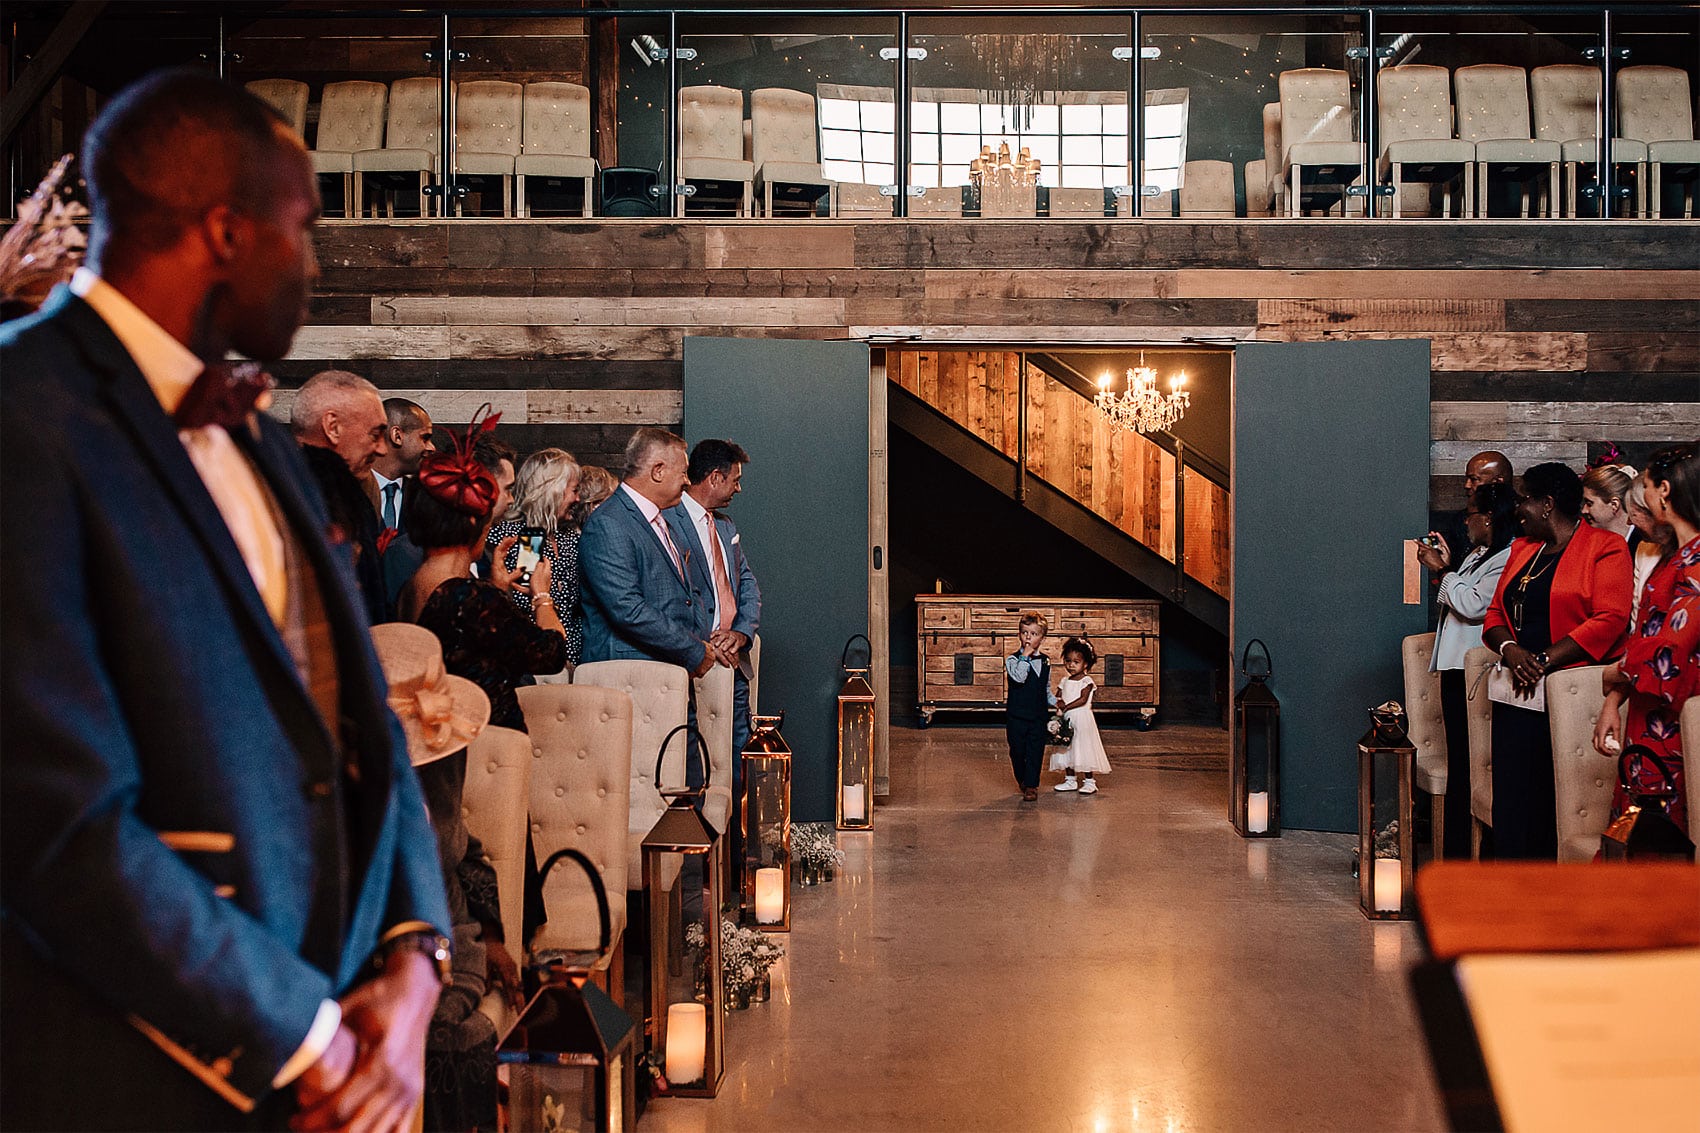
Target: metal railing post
pixel 1136 118
pixel 900 120
pixel 1367 122
pixel 1605 171
pixel 670 111
pixel 1180 520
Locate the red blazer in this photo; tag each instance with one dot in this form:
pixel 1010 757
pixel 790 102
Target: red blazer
pixel 1590 591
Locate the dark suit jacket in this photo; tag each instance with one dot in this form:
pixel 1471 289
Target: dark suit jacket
pixel 147 698
pixel 748 617
pixel 353 522
pixel 635 603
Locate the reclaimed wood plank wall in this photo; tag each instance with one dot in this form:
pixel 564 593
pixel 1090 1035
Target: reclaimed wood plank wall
pixel 1547 335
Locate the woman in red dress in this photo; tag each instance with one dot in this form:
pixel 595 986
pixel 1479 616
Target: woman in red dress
pixel 1660 669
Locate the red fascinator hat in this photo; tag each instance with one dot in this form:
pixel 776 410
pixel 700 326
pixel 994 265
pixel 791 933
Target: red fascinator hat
pixel 452 475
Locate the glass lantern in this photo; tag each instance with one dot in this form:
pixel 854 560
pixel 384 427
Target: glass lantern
pixel 684 992
pixel 572 1053
pixel 1387 859
pixel 855 804
pixel 765 815
pixel 1254 775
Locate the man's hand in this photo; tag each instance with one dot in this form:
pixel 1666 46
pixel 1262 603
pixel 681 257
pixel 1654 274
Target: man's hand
pixel 729 642
pixel 504 973
pixel 709 659
pixel 327 1075
pixel 389 1016
pixel 503 578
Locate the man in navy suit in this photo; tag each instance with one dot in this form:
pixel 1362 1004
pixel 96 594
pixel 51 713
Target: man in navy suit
pixel 639 600
pixel 731 611
pixel 220 900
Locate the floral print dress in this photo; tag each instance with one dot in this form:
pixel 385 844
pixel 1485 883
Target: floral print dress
pixel 1662 663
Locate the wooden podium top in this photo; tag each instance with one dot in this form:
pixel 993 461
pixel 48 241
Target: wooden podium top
pixel 1477 907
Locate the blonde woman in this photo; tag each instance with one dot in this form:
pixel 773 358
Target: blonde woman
pixel 545 490
pixel 595 485
pixel 1605 505
pixel 1657 541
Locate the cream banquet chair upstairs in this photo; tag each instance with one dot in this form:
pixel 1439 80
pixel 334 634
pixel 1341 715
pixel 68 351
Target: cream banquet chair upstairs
pixel 581 737
pixel 494 806
pixel 711 143
pixel 1479 711
pixel 351 121
pixel 1582 778
pixel 412 140
pixel 288 97
pixel 556 140
pixel 487 133
pixel 1426 730
pixel 1566 99
pixel 1316 133
pixel 783 148
pixel 1492 103
pixel 1656 106
pixel 1207 189
pixel 1415 115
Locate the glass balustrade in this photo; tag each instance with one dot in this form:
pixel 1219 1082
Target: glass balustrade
pixel 1403 111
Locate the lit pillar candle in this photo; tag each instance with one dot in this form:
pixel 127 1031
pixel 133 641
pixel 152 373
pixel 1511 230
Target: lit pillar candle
pixel 687 1042
pixel 1257 812
pixel 1389 886
pixel 770 895
pixel 855 803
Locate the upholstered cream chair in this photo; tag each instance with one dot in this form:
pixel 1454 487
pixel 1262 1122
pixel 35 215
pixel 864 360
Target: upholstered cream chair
pixel 412 140
pixel 1272 160
pixel 1207 189
pixel 351 121
pixel 1258 195
pixel 1415 115
pixel 1654 105
pixel 853 199
pixel 1690 723
pixel 714 723
pixel 556 140
pixel 494 805
pixel 711 142
pixel 1478 711
pixel 288 97
pixel 487 133
pixel 1077 202
pixel 1427 731
pixel 1582 778
pixel 782 146
pixel 581 737
pixel 1566 98
pixel 660 695
pixel 1492 102
pixel 1152 207
pixel 1316 133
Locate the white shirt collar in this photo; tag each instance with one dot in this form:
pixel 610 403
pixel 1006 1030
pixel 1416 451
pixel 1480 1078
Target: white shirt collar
pixel 650 512
pixel 384 481
pixel 169 367
pixel 695 510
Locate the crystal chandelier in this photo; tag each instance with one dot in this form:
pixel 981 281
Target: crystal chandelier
pixel 1019 71
pixel 1140 407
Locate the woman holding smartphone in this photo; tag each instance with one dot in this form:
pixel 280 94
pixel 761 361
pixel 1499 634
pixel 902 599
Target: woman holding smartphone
pixel 539 525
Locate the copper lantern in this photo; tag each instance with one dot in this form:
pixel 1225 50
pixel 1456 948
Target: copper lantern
pixel 1387 858
pixel 765 820
pixel 855 798
pixel 1254 775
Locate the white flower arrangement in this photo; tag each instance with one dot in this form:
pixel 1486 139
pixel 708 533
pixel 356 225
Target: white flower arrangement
pixel 815 844
pixel 746 954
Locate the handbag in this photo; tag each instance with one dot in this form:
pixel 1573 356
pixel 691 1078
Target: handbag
pixel 1645 831
pixel 1502 690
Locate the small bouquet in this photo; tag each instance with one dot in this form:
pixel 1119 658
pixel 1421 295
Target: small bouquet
pixel 1059 732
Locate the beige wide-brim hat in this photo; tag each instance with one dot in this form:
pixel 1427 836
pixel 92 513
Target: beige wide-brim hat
pixel 440 713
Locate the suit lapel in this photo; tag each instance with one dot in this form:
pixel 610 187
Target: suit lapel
pixel 647 531
pixel 685 534
pixel 138 411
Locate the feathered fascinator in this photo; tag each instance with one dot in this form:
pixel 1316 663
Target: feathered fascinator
pixel 1610 456
pixel 452 475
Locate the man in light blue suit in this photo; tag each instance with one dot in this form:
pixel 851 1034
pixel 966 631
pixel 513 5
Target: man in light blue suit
pixel 639 601
pixel 730 611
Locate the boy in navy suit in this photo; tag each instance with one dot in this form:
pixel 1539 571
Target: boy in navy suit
pixel 1028 705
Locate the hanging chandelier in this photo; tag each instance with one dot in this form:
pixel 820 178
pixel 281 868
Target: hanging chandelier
pixel 1140 407
pixel 1019 71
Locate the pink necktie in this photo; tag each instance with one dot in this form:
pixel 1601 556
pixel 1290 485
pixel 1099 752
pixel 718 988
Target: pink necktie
pixel 667 541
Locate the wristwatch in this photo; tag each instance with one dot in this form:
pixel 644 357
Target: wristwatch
pixel 438 949
pixel 1542 660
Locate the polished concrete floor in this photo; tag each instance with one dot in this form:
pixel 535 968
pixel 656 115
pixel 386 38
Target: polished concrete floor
pixel 1115 962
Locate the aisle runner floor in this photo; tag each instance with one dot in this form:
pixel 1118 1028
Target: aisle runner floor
pixel 1117 962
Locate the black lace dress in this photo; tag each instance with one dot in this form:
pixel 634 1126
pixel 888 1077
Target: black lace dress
pixel 487 640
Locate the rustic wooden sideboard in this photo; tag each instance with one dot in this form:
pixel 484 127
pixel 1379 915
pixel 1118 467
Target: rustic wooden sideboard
pixel 964 639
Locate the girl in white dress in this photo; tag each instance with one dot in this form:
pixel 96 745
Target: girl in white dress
pixel 1085 755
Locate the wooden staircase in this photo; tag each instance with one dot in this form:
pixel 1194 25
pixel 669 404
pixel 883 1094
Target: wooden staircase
pixel 1022 424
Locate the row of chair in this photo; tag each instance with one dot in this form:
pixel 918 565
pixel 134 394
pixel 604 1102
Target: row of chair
pixel 1475 123
pixel 584 774
pixel 1583 779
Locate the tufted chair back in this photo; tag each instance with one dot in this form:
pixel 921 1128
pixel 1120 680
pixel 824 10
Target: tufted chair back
pixel 351 117
pixel 660 695
pixel 1208 189
pixel 288 97
pixel 1426 728
pixel 487 117
pixel 782 126
pixel 1566 98
pixel 1690 723
pixel 1493 102
pixel 557 119
pixel 1316 106
pixel 1415 102
pixel 1654 104
pixel 714 721
pixel 581 740
pixel 1478 710
pixel 711 122
pixel 1272 150
pixel 493 805
pixel 415 117
pixel 1582 778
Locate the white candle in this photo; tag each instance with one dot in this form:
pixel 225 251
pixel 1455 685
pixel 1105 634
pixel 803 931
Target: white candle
pixel 1257 812
pixel 770 895
pixel 687 1042
pixel 1389 886
pixel 855 803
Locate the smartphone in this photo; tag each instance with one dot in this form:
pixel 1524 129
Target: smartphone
pixel 1430 541
pixel 530 551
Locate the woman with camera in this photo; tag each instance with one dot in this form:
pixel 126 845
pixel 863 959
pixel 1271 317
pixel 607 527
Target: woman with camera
pixel 538 529
pixel 1563 600
pixel 1465 594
